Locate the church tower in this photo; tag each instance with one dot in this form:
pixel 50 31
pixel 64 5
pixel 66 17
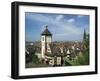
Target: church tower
pixel 84 35
pixel 46 39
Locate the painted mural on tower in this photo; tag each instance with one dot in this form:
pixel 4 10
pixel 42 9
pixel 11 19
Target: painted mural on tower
pixel 56 40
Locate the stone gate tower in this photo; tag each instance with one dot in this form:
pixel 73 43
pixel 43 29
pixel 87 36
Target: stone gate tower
pixel 46 39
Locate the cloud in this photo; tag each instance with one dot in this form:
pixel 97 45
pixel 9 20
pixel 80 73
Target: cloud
pixel 39 17
pixel 61 27
pixel 71 20
pixel 59 17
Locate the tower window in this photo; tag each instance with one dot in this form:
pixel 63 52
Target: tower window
pixel 43 38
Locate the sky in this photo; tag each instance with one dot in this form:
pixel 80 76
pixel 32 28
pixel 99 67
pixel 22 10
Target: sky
pixel 64 27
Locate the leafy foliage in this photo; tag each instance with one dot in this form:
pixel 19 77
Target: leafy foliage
pixel 35 59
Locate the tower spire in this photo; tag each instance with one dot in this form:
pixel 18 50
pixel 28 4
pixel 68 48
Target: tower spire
pixel 84 37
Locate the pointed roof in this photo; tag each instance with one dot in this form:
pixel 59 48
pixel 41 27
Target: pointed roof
pixel 46 32
pixel 84 36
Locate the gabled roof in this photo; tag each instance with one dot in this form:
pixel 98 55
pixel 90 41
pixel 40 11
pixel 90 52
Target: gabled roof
pixel 55 51
pixel 46 32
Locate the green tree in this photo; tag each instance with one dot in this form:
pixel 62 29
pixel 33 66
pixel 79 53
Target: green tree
pixel 83 59
pixel 35 59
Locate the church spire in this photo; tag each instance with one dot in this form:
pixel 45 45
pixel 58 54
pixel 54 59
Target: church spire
pixel 84 36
